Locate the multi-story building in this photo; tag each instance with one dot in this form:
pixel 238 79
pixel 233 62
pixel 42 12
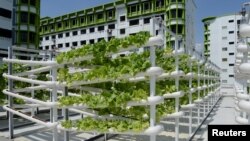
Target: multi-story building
pixel 117 19
pixel 19 24
pixel 220 41
pixel 6 7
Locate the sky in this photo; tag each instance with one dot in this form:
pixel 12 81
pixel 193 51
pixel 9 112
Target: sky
pixel 204 8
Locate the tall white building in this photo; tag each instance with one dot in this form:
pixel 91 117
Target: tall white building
pixel 117 19
pixel 220 41
pixel 19 24
pixel 5 26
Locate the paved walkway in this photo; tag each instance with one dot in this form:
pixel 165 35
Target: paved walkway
pixel 222 114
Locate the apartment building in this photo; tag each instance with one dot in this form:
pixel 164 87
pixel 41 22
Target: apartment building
pixel 117 19
pixel 220 42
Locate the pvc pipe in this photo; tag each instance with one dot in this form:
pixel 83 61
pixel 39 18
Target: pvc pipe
pixel 46 124
pixel 10 88
pixel 152 92
pixel 46 83
pixel 174 94
pixel 27 105
pixel 151 131
pixel 48 104
pixel 28 62
pixel 28 89
pixel 34 71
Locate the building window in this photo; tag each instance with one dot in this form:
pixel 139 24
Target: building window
pixel 47 38
pixel 231 53
pixel 238 21
pixel 159 3
pixel 146 6
pixel 231 75
pixel 67 34
pixel 83 31
pixel 100 28
pixel 74 44
pixel 99 16
pixel 53 37
pixel 59 25
pixel 231 32
pixel 110 14
pixel 224 27
pixel 122 18
pixel 224 70
pixel 83 42
pixel 32 19
pixel 74 33
pixel 5 33
pixel 134 22
pixel 60 35
pixel 224 81
pixel 224 38
pixel 32 37
pixel 231 43
pixel 133 8
pixel 47 47
pixel 82 20
pixel 33 2
pixel 122 31
pixel 24 1
pixel 224 49
pixel 224 59
pixel 24 17
pixel 100 39
pixel 91 30
pixel 5 13
pixel 231 65
pixel 60 45
pixel 231 21
pixel 146 20
pixel 66 44
pixel 109 38
pixel 91 41
pixel 111 26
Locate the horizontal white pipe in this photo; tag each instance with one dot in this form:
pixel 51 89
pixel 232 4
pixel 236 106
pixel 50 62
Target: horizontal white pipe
pixel 241 120
pixel 35 71
pixel 46 83
pixel 155 130
pixel 83 112
pixel 49 104
pixel 89 57
pixel 29 62
pixel 46 124
pixel 92 89
pixel 27 105
pixel 27 49
pixel 29 89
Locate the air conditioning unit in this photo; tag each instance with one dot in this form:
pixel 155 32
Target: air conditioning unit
pixel 109 31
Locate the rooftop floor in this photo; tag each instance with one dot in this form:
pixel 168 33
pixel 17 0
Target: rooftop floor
pixel 224 108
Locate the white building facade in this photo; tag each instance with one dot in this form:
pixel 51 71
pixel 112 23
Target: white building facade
pixel 117 19
pixel 220 41
pixel 5 26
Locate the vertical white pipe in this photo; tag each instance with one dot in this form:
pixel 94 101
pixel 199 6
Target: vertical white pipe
pixel 54 99
pixel 198 95
pixel 152 91
pixel 32 91
pixel 177 88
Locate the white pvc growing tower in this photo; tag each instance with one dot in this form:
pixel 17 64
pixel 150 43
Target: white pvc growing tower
pixel 134 96
pixel 242 69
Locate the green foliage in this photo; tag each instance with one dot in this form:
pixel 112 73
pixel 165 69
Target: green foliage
pixel 102 126
pixel 102 48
